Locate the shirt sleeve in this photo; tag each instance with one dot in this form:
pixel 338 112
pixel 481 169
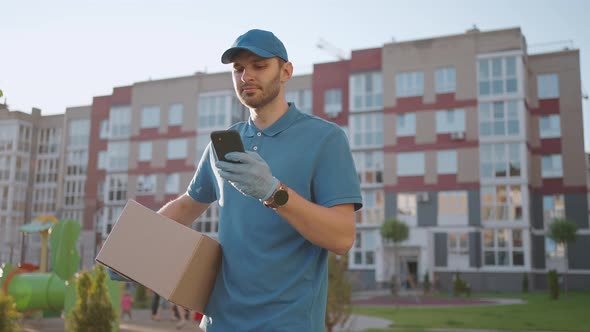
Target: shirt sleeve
pixel 335 180
pixel 202 186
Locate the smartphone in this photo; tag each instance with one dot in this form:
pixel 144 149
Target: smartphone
pixel 226 141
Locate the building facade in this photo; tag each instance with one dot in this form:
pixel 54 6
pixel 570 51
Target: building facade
pixel 472 142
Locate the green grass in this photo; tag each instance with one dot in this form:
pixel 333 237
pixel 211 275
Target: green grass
pixel 570 313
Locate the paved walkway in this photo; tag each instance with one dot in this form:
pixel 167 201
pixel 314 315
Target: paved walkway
pixel 142 323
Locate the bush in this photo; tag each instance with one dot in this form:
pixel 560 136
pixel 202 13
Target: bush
pixel 426 283
pixel 141 300
pixel 525 283
pixel 8 314
pixel 553 281
pixel 460 286
pixel 93 310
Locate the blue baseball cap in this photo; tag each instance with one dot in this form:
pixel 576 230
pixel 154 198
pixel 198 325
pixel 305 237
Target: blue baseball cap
pixel 260 42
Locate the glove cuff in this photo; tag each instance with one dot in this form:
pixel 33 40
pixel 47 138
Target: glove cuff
pixel 275 184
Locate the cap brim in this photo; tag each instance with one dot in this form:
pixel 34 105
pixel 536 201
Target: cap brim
pixel 228 55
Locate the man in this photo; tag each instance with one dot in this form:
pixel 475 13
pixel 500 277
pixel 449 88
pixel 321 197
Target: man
pixel 289 200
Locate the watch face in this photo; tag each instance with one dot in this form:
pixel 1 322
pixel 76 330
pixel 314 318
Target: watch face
pixel 281 197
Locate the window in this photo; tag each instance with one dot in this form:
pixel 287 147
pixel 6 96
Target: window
pixel 449 121
pixel 24 138
pixel 452 208
pixel 501 203
pixel 549 126
pixel 406 205
pixel 177 149
pixel 104 129
pixel 553 208
pixel 301 98
pixel 553 249
pixel 497 76
pixel 207 223
pixel 409 84
pixel 500 160
pixel 49 140
pixel 446 162
pixel 503 247
pixel 102 160
pixel 145 151
pixel 406 124
pixel 410 163
pixel 172 183
pixel 499 118
pixel 366 130
pixel 373 211
pixel 118 154
pixel 5 166
pixel 363 250
pixel 458 244
pixel 175 114
pixel 551 166
pixel 369 165
pixel 445 80
pixel 333 102
pixel 150 117
pixel 77 162
pixel 116 188
pixel 78 132
pixel 119 122
pixel 548 86
pixel 218 110
pixel 366 92
pixel 146 184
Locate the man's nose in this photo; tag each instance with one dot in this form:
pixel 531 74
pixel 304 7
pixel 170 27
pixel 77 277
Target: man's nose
pixel 246 76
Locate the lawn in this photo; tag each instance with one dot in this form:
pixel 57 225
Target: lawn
pixel 570 313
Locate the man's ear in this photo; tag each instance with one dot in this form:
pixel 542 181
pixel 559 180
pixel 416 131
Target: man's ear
pixel 286 72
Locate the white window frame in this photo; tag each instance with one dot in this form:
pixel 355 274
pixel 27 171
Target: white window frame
pixel 145 150
pixel 548 86
pixel 150 117
pixel 445 80
pixel 175 114
pixel 119 122
pixel 494 77
pixel 449 121
pixel 118 156
pixel 554 211
pixel 458 243
pixel 409 84
pixel 549 126
pixel 551 166
pixel 333 102
pixel 405 124
pixel 177 148
pixel 502 199
pixel 172 183
pixel 373 211
pixel 499 118
pixel 446 162
pixel 146 184
pixel 498 157
pixel 453 208
pixel 369 166
pixel 364 247
pixel 361 137
pixel 366 92
pixel 410 164
pixel 509 246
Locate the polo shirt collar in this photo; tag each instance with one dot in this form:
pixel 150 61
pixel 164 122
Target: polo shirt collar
pixel 284 122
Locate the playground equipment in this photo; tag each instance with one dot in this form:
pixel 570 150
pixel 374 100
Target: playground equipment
pixel 33 289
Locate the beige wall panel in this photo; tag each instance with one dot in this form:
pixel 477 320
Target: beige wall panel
pixel 389 129
pixel 430 176
pixel 425 127
pixel 390 169
pixel 159 153
pixel 467 165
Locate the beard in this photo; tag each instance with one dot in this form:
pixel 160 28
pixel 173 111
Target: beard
pixel 260 97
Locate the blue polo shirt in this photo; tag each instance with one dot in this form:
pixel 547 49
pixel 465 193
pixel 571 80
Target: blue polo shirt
pixel 272 278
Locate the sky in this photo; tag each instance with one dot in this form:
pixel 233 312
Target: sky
pixel 58 54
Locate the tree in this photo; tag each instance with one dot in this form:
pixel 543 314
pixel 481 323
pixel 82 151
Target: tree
pixel 8 313
pixel 93 310
pixel 395 231
pixel 141 296
pixel 339 307
pixel 563 231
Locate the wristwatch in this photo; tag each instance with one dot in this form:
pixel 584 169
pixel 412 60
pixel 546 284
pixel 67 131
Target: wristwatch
pixel 278 198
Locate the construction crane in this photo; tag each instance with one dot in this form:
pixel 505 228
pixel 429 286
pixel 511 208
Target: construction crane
pixel 331 49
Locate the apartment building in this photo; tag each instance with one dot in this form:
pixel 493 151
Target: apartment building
pixel 471 141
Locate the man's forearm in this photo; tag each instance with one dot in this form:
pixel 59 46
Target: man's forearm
pixel 331 228
pixel 183 209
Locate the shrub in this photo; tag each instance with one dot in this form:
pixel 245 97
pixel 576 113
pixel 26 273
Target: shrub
pixel 460 286
pixel 93 310
pixel 426 283
pixel 8 313
pixel 553 281
pixel 525 283
pixel 141 296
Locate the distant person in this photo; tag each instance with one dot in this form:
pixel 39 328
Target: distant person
pixel 126 306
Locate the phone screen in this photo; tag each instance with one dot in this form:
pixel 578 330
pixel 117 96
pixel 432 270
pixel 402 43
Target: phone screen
pixel 226 141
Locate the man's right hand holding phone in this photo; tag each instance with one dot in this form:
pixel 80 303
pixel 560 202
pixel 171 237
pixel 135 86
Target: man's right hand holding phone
pixel 250 175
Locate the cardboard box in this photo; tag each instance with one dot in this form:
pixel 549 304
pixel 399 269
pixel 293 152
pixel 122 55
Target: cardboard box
pixel 175 261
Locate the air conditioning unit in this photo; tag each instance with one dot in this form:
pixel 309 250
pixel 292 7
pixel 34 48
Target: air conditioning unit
pixel 422 197
pixel 332 114
pixel 458 135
